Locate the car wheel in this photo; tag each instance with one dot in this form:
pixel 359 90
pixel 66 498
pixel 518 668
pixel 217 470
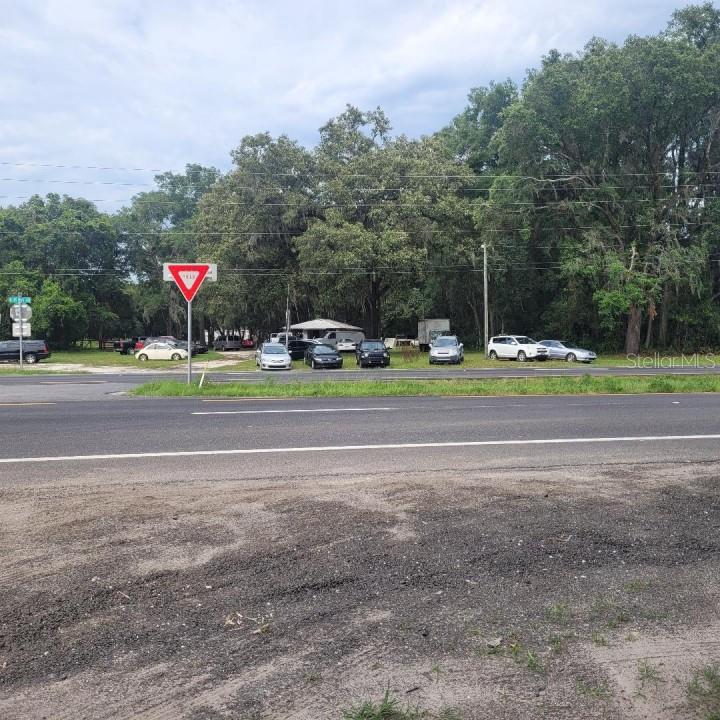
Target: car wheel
pixel 142 357
pixel 31 358
pixel 571 357
pixel 176 356
pixel 493 355
pixel 312 364
pixel 521 356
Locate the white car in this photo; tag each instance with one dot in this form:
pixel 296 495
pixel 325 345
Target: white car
pixel 273 356
pixel 161 351
pixel 346 345
pixel 516 347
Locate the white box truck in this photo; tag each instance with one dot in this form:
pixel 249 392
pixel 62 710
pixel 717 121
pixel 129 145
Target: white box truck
pixel 428 330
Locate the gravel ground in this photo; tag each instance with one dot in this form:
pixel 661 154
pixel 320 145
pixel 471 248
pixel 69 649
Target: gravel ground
pixel 567 593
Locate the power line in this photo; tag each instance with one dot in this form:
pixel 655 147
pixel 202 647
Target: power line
pixel 570 175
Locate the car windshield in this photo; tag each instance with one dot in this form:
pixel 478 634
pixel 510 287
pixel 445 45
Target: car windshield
pixel 274 350
pixel 525 340
pixel 323 350
pixel 373 346
pixel 445 341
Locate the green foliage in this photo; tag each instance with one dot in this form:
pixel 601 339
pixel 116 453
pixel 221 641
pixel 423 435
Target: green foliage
pixel 57 316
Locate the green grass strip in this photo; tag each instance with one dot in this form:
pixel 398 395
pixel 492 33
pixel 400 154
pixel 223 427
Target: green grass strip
pixel 584 385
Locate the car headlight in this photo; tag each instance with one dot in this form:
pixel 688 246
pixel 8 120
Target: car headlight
pixel 364 355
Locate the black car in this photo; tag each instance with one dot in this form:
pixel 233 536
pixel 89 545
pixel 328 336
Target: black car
pixel 33 350
pixel 298 348
pixel 372 353
pixel 322 356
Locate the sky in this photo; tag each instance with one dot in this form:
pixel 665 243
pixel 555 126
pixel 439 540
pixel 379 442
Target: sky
pixel 137 87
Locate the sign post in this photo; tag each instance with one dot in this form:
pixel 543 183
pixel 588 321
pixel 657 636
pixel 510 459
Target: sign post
pixel 189 277
pixel 19 312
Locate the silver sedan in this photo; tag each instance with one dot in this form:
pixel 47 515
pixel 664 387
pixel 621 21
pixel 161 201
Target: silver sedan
pixel 564 350
pixel 273 356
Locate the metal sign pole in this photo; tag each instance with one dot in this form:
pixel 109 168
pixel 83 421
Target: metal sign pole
pixel 189 334
pixel 22 359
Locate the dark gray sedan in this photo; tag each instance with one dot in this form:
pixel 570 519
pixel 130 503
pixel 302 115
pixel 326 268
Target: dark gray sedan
pixel 565 350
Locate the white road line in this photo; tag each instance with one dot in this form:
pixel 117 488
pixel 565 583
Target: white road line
pixel 284 412
pixel 343 448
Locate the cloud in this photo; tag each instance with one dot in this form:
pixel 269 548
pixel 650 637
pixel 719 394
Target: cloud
pixel 156 85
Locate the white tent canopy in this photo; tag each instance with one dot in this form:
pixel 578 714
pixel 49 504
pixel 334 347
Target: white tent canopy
pixel 323 324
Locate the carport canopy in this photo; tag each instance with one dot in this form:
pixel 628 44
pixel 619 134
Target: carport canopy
pixel 323 324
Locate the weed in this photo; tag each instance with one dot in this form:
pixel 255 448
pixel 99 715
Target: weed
pixel 637 586
pixel 599 639
pixel 559 613
pixel 449 713
pixel 312 676
pixel 436 670
pixel 533 663
pixel 648 673
pixel 597 692
pixel 389 708
pixel 704 690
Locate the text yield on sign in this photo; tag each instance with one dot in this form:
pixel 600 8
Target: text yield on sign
pixel 189 276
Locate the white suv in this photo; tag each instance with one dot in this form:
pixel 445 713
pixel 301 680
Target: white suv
pixel 516 347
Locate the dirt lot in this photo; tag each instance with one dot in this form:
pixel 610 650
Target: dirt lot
pixel 543 594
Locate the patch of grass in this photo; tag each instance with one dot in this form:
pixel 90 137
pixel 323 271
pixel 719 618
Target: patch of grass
pixel 533 662
pixel 595 692
pixel 449 713
pixel 559 613
pixel 599 639
pixel 612 614
pixel 585 385
pixel 637 586
pixel 389 708
pixel 704 690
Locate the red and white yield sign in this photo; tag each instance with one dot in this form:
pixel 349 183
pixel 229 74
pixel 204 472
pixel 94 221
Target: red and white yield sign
pixel 189 276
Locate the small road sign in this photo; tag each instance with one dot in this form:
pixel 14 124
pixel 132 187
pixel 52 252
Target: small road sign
pixel 25 329
pixel 189 276
pixel 21 312
pixel 19 300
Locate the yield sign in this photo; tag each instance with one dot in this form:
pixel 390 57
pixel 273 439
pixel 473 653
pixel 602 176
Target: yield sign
pixel 188 277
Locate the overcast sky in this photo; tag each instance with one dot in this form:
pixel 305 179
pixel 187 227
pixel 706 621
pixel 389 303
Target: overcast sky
pixel 160 83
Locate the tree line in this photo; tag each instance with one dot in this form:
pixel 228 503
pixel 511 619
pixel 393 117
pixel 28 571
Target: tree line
pixel 595 187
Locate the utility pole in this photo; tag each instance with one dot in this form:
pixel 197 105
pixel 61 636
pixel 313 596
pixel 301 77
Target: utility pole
pixel 485 299
pixel 287 315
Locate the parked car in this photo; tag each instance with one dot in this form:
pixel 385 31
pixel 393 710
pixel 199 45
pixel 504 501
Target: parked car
pixel 322 356
pixel 273 356
pixel 446 349
pixel 297 348
pixel 228 342
pixel 347 345
pixel 126 346
pixel 161 351
pixel 182 344
pixel 564 350
pixel 516 347
pixel 33 351
pixel 333 337
pixel 371 352
pixel 248 343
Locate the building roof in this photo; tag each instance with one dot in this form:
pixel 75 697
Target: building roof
pixel 323 324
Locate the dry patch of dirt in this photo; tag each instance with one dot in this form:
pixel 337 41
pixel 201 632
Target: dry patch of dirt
pixel 503 595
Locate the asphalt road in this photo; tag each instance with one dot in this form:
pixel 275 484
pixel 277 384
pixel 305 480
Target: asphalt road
pixel 37 387
pixel 230 438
